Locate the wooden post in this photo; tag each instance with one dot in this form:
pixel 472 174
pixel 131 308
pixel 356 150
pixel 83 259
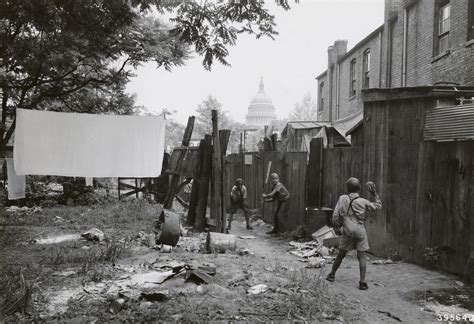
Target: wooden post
pixel 274 139
pixel 118 188
pixel 216 174
pixel 315 176
pixel 224 136
pixel 206 166
pixel 175 178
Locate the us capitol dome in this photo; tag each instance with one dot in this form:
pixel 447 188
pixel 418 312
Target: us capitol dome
pixel 261 111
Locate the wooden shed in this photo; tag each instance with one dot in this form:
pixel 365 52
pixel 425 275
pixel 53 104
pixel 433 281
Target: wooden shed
pixel 417 145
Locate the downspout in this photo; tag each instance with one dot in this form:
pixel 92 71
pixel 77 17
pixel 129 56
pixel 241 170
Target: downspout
pixel 404 48
pixel 338 88
pixel 330 79
pixel 388 71
pixel 380 58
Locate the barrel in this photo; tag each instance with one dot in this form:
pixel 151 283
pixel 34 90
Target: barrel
pixel 316 218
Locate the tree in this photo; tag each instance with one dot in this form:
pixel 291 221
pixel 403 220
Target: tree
pixel 55 53
pixel 203 124
pixel 174 130
pixel 307 109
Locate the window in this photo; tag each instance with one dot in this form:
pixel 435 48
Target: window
pixel 352 85
pixel 444 26
pixel 366 71
pixel 320 96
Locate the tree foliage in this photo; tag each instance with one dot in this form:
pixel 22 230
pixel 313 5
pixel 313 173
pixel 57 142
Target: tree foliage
pixel 78 55
pixel 306 109
pixel 203 123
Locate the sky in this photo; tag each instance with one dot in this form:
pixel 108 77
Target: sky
pixel 288 64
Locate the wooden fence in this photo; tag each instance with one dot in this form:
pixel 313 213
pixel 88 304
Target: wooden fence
pixel 427 188
pixel 254 168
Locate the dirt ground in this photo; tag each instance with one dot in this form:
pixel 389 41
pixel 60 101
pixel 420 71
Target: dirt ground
pixel 78 281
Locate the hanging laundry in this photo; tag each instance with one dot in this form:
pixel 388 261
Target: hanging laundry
pixel 86 145
pixel 89 182
pixel 16 183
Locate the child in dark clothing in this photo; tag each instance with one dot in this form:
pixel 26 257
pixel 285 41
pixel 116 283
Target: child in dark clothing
pixel 282 196
pixel 238 200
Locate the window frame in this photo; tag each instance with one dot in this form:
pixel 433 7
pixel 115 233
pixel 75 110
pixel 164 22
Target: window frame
pixel 352 78
pixel 321 97
pixel 366 57
pixel 442 28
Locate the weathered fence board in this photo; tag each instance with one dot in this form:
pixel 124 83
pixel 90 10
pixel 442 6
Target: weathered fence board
pixel 291 166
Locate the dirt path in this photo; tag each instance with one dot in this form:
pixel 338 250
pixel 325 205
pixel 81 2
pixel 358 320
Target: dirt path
pixel 394 289
pixel 74 290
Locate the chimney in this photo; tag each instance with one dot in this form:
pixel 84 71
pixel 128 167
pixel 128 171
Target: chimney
pixel 391 9
pixel 340 47
pixel 331 56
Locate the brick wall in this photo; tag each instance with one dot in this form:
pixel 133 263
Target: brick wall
pixel 348 104
pixel 323 115
pixel 423 65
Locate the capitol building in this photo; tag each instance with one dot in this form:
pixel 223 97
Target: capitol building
pixel 261 111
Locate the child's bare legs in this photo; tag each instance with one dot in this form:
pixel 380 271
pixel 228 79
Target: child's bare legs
pixel 337 263
pixel 229 221
pixel 362 264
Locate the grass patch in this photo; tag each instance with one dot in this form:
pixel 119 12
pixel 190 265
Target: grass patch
pixel 17 286
pixel 120 212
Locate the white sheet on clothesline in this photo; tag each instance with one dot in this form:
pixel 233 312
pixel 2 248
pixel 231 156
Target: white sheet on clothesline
pixel 87 145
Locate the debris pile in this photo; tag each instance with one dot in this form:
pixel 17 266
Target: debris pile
pixel 315 254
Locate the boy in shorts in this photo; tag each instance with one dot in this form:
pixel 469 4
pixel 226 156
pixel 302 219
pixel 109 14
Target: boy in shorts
pixel 350 214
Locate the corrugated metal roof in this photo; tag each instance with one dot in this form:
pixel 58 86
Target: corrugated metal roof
pixel 449 123
pixel 307 124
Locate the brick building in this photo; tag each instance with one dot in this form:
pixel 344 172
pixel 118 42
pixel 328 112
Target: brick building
pixel 421 43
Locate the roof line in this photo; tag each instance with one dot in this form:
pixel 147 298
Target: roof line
pixel 360 43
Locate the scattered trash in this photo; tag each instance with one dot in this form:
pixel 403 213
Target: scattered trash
pixel 378 284
pixel 199 276
pixel 390 315
pixel 211 270
pixel 247 237
pixel 117 305
pixel 316 262
pixel 243 252
pixel 168 264
pixel 170 228
pixel 155 277
pixel 218 242
pixel 158 296
pixel 388 261
pixel 257 289
pixel 459 283
pixel 323 233
pixel 329 259
pixel 304 254
pixel 94 234
pixel 258 222
pixel 165 248
pixel 323 251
